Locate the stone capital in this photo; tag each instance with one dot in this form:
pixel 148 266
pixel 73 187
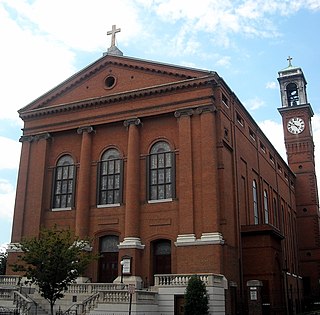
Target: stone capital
pixel 26 139
pixel 42 136
pixel 132 121
pixel 37 137
pixel 83 129
pixel 206 109
pixel 185 112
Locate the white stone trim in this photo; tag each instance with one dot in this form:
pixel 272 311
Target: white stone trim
pixel 214 238
pixel 160 200
pixel 109 205
pixel 131 242
pixel 61 209
pixel 14 248
pixel 186 240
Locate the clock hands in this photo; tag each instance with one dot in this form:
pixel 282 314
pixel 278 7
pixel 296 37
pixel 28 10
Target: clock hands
pixel 291 123
pixel 295 125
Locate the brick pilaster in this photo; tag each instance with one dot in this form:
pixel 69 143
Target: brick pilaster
pixel 209 175
pixel 186 211
pixel 132 179
pixel 83 189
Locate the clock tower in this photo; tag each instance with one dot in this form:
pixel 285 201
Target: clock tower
pixel 296 115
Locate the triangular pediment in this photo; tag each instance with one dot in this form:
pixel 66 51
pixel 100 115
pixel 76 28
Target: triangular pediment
pixel 111 76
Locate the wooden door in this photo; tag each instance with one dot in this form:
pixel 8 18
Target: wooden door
pixel 108 267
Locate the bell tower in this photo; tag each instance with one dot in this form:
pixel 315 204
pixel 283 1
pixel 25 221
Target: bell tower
pixel 296 115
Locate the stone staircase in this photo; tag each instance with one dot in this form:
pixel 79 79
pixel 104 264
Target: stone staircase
pixel 117 298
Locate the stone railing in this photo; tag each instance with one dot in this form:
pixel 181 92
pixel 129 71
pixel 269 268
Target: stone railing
pixel 90 288
pixel 22 303
pixel 6 294
pixel 114 296
pixel 9 281
pixel 123 296
pixel 182 280
pixel 90 303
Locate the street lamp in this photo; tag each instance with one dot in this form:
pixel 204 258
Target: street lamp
pixel 121 263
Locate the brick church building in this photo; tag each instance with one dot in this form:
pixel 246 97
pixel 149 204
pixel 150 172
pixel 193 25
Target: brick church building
pixel 165 169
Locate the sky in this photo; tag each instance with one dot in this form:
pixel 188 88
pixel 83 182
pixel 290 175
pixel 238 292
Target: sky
pixel 43 42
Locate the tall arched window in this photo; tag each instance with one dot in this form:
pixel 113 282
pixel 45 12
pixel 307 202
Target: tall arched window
pixel 161 163
pixel 110 178
pixel 266 207
pixel 64 183
pixel 292 94
pixel 255 202
pixel 275 213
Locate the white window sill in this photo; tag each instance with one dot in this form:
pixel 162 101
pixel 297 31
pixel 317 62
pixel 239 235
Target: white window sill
pixel 61 209
pixel 109 205
pixel 160 200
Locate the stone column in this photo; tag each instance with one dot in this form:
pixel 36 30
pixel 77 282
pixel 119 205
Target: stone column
pixel 186 211
pixel 83 189
pixel 132 197
pixel 209 175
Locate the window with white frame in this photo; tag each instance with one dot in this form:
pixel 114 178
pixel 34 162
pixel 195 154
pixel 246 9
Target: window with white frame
pixel 110 176
pixel 255 202
pixel 266 207
pixel 161 171
pixel 64 183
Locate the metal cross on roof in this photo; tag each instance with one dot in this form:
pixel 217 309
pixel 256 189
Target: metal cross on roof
pixel 113 35
pixel 289 59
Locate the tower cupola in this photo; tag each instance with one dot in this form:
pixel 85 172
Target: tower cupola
pixel 292 86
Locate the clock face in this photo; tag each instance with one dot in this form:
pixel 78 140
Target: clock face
pixel 295 125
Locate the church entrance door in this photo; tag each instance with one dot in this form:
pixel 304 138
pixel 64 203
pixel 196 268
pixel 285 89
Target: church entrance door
pixel 108 261
pixel 161 257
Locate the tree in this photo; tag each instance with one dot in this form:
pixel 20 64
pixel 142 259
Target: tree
pixel 53 261
pixel 196 298
pixel 3 262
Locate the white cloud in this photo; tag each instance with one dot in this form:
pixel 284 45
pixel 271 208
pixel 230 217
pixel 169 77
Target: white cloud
pixel 78 24
pixel 3 248
pixel 224 61
pixel 272 85
pixel 7 197
pixel 254 103
pixel 221 18
pixel 36 64
pixel 9 160
pixel 274 132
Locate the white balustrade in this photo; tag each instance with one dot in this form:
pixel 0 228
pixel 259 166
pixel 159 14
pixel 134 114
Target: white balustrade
pixel 183 279
pixel 9 280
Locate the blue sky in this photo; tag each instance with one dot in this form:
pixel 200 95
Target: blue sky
pixel 247 42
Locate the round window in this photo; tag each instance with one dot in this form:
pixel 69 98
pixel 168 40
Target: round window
pixel 110 81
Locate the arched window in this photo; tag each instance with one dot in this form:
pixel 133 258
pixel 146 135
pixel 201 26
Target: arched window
pixel 255 202
pixel 275 213
pixel 292 94
pixel 161 163
pixel 64 183
pixel 110 178
pixel 266 207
